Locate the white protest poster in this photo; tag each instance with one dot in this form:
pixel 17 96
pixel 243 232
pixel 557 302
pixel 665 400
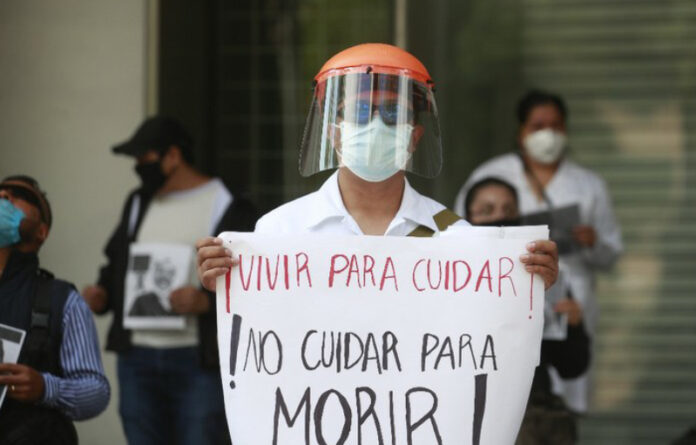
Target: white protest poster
pixel 555 324
pixel 379 340
pixel 11 340
pixel 154 271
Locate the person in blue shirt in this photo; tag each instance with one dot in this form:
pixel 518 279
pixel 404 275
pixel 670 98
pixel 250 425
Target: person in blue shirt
pixel 59 376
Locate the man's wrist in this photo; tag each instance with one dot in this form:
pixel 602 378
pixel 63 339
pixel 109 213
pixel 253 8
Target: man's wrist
pixel 50 389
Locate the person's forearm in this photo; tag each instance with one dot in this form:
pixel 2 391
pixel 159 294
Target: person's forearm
pixel 78 398
pixel 82 391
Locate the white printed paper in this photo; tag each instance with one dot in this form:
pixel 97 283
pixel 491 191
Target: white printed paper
pixel 154 271
pixel 11 341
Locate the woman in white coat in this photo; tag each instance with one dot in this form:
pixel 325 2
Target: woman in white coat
pixel 546 179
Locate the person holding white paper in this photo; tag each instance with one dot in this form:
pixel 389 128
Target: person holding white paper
pixel 546 178
pixel 58 376
pixel 167 363
pixel 373 117
pixel 493 202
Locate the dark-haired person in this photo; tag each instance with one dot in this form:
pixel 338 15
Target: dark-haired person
pixel 493 201
pixel 59 375
pixel 169 379
pixel 545 178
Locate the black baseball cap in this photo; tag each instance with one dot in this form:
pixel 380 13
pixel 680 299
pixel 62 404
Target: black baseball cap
pixel 156 133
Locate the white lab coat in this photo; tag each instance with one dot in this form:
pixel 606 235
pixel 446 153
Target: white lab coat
pixel 572 184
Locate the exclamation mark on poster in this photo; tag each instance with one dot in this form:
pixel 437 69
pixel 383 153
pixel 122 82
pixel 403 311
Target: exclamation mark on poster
pixel 479 406
pixel 234 345
pixel 531 296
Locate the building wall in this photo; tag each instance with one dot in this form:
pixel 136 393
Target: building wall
pixel 72 83
pixel 628 74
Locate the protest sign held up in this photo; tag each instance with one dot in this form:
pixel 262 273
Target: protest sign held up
pixel 379 340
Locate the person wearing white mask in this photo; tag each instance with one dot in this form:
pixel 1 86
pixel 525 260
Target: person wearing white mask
pixel 546 178
pixel 373 117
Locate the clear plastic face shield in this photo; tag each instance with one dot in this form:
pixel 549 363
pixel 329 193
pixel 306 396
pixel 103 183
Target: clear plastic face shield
pixel 373 123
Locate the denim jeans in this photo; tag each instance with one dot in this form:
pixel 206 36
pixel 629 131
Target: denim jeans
pixel 167 398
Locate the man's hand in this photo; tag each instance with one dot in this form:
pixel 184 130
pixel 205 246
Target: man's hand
pixel 189 300
pixel 542 260
pixel 585 235
pixel 213 260
pixel 23 383
pixel 571 308
pixel 96 297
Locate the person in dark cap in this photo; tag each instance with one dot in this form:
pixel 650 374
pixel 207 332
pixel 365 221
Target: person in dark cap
pixel 59 375
pixel 169 379
pixel 151 144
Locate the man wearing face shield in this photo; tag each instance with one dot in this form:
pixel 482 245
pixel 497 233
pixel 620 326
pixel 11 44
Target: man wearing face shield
pixel 59 375
pixel 546 178
pixel 168 379
pixel 373 117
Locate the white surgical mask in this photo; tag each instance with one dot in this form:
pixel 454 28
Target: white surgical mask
pixel 545 146
pixel 375 151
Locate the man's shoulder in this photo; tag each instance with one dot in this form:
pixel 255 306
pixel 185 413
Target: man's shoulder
pixel 44 275
pixel 433 207
pixel 60 290
pixel 137 193
pixel 289 217
pixel 445 217
pixel 501 164
pixel 582 173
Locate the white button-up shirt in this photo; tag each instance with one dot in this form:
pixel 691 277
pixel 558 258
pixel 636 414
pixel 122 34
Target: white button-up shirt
pixel 323 212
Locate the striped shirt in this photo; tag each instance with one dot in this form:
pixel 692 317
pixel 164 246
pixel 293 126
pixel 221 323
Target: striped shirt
pixel 83 391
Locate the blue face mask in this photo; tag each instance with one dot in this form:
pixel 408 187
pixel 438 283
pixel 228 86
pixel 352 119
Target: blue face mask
pixel 10 217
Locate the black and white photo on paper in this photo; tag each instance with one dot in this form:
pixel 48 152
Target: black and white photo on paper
pixel 154 271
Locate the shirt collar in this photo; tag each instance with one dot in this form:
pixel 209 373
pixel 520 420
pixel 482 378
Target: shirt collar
pixel 329 205
pixel 415 208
